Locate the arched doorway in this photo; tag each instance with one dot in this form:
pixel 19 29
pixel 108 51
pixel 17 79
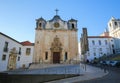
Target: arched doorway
pixel 56 50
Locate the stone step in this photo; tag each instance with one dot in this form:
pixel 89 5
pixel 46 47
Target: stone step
pixel 38 66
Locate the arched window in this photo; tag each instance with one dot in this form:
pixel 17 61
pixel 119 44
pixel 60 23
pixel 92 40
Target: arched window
pixel 115 23
pixel 112 46
pixel 40 24
pixel 110 24
pixel 73 26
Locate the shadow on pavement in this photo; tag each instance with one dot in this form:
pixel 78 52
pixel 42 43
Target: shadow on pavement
pixel 19 78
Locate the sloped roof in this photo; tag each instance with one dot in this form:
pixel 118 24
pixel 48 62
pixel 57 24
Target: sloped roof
pixel 40 19
pixel 27 43
pixel 72 20
pixel 56 17
pixel 100 37
pixel 9 37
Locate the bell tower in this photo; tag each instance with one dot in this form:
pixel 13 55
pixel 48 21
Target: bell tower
pixel 72 23
pixel 40 24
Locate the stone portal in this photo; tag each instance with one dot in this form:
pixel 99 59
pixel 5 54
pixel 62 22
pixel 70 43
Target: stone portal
pixel 12 59
pixel 56 49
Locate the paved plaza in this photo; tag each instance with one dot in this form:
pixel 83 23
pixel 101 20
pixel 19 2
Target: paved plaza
pixel 66 69
pixel 87 73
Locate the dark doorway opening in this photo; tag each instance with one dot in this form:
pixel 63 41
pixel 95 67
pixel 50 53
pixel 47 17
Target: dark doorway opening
pixel 56 57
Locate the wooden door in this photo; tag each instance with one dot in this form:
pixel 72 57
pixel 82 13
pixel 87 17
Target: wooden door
pixel 12 62
pixel 56 57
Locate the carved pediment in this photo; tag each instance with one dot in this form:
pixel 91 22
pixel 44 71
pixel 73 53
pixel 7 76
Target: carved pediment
pixel 56 44
pixel 13 51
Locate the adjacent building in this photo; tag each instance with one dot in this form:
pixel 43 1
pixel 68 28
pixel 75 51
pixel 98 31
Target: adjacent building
pixel 100 46
pixel 13 53
pixel 106 44
pixel 114 31
pixel 27 54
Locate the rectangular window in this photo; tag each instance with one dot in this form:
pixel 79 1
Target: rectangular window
pixel 19 51
pixel 5 47
pixel 94 49
pixel 66 57
pixel 88 54
pixel 93 42
pixel 46 55
pixel 99 42
pixel 100 49
pixel 28 50
pixel 18 58
pixel 4 57
pixel 106 42
pixel 94 54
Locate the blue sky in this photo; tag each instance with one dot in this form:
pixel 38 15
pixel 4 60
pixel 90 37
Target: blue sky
pixel 17 17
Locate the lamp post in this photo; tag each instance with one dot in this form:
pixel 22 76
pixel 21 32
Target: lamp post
pixel 85 59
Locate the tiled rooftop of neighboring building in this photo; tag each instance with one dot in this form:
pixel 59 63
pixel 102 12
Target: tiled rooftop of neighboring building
pixel 27 43
pixel 99 37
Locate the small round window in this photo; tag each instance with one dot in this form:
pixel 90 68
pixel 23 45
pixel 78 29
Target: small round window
pixel 56 25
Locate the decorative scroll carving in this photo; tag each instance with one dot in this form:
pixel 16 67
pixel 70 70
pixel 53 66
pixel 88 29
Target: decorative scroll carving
pixel 56 45
pixel 12 59
pixel 13 51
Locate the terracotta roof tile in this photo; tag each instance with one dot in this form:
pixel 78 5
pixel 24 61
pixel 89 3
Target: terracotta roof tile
pixel 27 43
pixel 99 37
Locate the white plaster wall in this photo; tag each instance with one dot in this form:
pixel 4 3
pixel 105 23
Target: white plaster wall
pixel 106 49
pixel 11 45
pixel 26 59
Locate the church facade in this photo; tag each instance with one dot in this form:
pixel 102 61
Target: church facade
pixel 56 40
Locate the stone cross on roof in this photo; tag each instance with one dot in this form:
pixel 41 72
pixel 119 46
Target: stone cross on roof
pixel 56 11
